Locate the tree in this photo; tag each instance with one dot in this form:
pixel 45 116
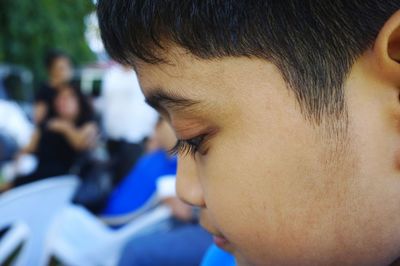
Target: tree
pixel 29 28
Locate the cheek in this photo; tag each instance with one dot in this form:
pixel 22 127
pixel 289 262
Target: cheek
pixel 75 107
pixel 277 188
pixel 59 105
pixel 288 195
pixel 255 182
pixel 72 105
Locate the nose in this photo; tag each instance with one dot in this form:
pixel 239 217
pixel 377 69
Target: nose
pixel 188 185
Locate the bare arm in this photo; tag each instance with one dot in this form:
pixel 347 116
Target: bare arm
pixel 33 143
pixel 82 138
pixel 39 112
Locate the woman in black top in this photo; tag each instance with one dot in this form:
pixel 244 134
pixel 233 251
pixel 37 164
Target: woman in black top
pixel 59 69
pixel 58 142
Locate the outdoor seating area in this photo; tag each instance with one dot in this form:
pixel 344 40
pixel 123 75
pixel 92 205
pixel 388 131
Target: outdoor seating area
pixel 199 133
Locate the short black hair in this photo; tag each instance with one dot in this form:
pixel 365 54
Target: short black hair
pixel 314 43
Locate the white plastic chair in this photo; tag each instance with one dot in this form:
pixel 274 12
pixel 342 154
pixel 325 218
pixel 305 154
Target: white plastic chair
pixel 80 238
pixel 12 240
pixel 30 211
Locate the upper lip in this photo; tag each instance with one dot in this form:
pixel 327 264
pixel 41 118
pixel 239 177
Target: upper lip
pixel 216 233
pixel 211 230
pixel 206 223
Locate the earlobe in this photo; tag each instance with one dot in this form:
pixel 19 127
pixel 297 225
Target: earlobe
pixel 387 49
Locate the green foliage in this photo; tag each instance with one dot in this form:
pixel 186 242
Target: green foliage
pixel 29 28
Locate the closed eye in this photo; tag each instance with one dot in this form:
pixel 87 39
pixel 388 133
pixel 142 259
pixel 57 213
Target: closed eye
pixel 188 146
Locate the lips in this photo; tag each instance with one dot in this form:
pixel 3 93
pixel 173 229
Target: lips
pixel 221 241
pixel 218 238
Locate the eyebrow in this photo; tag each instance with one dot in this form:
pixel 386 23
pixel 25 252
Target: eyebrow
pixel 160 99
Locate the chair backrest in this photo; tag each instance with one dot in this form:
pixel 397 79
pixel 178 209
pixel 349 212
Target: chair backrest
pixel 36 205
pixel 80 238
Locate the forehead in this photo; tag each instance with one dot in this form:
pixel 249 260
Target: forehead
pixel 180 69
pixel 62 60
pixel 188 75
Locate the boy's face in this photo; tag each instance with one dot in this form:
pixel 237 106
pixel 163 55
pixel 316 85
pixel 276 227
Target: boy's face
pixel 275 186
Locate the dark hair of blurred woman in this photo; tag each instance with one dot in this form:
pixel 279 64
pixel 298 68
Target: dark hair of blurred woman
pixel 59 68
pixel 71 103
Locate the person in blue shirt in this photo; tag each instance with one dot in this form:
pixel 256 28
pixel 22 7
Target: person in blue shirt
pixel 138 187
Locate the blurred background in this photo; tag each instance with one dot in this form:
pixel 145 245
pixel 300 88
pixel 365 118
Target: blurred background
pixel 85 176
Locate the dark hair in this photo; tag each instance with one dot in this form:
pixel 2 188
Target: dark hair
pixel 52 56
pixel 314 43
pixel 86 112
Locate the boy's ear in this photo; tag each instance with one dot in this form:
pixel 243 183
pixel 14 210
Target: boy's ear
pixel 387 49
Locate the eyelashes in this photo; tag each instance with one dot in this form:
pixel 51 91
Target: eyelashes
pixel 188 146
pixel 183 148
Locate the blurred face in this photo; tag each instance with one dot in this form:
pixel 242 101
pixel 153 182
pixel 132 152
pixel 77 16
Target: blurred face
pixel 164 135
pixel 66 104
pixel 61 70
pixel 275 189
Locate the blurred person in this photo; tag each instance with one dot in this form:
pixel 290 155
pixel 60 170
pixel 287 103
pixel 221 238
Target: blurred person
pixel 150 145
pixel 3 94
pixel 127 120
pixel 139 185
pixel 67 133
pixel 287 118
pixel 15 129
pixel 183 245
pixel 59 69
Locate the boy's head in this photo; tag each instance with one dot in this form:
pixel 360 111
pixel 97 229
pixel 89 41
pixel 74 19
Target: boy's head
pixel 291 112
